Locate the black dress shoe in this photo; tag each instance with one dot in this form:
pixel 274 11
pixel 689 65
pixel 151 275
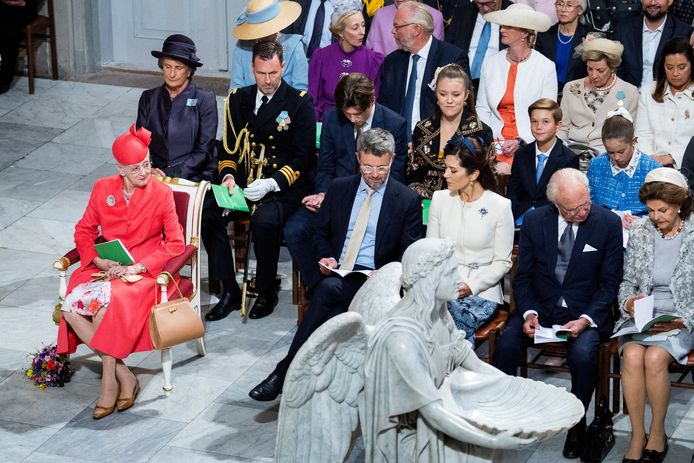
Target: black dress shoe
pixel 630 460
pixel 227 304
pixel 264 305
pixel 268 389
pixel 574 440
pixel 653 456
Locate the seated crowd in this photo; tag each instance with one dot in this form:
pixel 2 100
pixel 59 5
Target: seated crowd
pixel 470 113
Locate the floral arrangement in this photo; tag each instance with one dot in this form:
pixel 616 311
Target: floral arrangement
pixel 49 369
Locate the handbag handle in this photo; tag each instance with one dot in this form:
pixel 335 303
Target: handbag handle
pixel 173 280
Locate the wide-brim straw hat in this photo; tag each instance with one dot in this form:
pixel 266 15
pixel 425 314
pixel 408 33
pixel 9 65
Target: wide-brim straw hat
pixel 262 18
pixel 522 16
pixel 180 48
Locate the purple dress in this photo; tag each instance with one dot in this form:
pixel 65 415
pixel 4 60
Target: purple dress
pixel 329 64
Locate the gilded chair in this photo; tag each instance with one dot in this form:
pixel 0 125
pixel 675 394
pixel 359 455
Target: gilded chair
pixel 189 197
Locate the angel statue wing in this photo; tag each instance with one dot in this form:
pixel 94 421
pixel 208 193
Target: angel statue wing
pixel 319 408
pixel 379 294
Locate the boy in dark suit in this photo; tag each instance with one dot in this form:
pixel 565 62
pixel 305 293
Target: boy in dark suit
pixel 535 163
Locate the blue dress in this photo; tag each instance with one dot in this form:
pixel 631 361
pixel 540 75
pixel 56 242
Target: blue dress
pixel 619 192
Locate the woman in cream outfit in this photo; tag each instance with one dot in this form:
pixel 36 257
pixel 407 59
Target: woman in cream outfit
pixel 480 223
pixel 586 102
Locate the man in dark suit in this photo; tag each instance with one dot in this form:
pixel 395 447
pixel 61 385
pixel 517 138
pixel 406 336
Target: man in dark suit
pixel 356 111
pixel 467 31
pixel 404 87
pixel 365 222
pixel 534 164
pixel 569 270
pixel 271 127
pixel 643 38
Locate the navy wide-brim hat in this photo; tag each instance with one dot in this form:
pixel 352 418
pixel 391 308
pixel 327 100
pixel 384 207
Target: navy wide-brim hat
pixel 181 48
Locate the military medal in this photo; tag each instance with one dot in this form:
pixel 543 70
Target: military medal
pixel 110 201
pixel 346 63
pixel 283 121
pixel 620 98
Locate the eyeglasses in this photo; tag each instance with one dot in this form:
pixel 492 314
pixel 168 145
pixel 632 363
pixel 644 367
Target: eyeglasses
pixel 565 6
pixel 397 27
pixel 378 169
pixel 145 166
pixel 583 207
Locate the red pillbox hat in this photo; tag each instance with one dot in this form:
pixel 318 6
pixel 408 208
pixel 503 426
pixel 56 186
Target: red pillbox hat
pixel 131 147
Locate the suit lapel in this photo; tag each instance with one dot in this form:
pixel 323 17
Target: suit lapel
pixel 551 229
pixel 555 159
pixel 345 212
pixel 389 203
pixel 584 231
pixel 350 145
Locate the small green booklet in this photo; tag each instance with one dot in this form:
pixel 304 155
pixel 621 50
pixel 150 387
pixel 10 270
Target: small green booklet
pixel 425 210
pixel 114 250
pixel 235 201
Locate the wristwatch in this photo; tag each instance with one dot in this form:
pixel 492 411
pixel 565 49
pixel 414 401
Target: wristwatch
pixel 143 269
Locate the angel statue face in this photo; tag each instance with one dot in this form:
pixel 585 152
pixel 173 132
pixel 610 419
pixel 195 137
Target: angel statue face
pixel 447 289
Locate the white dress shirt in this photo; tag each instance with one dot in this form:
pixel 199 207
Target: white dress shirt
pixel 327 36
pixel 259 99
pixel 367 123
pixel 421 66
pixel 649 43
pixel 492 46
pixel 546 153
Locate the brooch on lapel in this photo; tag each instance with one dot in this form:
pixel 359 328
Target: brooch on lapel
pixel 110 201
pixel 483 212
pixel 192 102
pixel 346 63
pixel 283 120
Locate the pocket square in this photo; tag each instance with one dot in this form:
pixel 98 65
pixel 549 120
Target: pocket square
pixel 589 248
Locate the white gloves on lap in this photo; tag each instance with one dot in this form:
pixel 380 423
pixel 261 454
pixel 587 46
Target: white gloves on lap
pixel 259 188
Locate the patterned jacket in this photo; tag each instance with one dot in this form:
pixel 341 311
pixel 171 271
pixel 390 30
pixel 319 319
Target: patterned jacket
pixel 638 270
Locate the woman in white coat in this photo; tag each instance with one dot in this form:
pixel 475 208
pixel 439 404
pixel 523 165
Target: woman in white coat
pixel 480 223
pixel 512 79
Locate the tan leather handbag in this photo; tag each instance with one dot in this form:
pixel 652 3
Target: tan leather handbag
pixel 174 322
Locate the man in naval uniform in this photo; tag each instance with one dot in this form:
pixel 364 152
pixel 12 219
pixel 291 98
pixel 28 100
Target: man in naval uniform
pixel 273 123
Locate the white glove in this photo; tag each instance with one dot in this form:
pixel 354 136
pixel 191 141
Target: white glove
pixel 259 188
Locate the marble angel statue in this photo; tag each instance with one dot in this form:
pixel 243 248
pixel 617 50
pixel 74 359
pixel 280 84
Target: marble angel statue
pixel 400 369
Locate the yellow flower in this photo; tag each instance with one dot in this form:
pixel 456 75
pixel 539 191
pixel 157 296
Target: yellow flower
pixel 30 373
pixel 42 386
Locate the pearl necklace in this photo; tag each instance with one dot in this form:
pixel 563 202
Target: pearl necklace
pixel 571 37
pixel 679 230
pixel 609 86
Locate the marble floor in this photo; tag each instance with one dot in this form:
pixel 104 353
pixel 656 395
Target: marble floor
pixel 53 145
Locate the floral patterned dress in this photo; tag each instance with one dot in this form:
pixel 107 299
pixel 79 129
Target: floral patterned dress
pixel 425 164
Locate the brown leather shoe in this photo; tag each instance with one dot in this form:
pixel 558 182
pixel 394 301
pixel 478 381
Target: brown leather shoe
pixel 127 402
pixel 101 411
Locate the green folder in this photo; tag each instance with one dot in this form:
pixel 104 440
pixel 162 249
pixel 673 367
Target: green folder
pixel 235 201
pixel 114 250
pixel 425 210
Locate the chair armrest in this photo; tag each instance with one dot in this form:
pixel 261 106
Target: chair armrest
pixel 495 324
pixel 71 257
pixel 175 264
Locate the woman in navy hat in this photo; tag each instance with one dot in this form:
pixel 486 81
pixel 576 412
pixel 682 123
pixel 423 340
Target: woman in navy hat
pixel 181 116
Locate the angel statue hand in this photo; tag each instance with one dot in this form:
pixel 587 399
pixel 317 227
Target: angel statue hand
pixel 509 440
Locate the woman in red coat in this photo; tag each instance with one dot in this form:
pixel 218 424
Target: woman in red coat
pixel 112 316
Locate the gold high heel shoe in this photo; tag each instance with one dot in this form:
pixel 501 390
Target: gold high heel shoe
pixel 127 402
pixel 101 411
